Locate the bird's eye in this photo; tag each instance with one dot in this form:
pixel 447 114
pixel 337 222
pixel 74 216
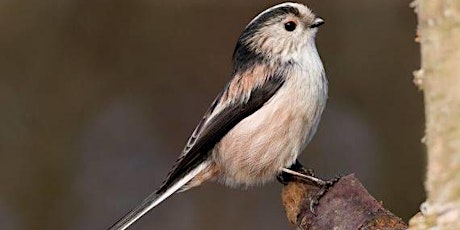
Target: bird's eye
pixel 290 26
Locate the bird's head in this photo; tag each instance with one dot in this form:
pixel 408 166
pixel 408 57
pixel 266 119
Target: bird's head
pixel 280 33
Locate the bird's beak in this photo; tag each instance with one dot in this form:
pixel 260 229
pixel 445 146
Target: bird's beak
pixel 317 22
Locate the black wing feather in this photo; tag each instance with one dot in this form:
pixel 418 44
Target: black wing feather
pixel 207 135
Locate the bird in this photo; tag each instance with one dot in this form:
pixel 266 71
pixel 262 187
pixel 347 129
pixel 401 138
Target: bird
pixel 264 117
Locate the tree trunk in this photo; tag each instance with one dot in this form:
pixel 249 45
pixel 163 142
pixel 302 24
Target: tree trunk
pixel 439 78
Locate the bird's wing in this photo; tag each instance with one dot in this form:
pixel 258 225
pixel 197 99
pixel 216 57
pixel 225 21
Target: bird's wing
pixel 243 96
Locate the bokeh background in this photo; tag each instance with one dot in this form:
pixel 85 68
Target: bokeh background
pixel 97 99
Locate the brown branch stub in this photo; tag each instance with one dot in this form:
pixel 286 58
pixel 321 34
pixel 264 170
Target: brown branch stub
pixel 346 205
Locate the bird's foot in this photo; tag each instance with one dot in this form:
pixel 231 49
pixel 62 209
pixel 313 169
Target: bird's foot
pixel 323 188
pixel 298 173
pixel 297 168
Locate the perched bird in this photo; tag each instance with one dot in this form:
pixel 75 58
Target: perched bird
pixel 265 116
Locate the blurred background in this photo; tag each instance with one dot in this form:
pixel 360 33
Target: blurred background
pixel 97 99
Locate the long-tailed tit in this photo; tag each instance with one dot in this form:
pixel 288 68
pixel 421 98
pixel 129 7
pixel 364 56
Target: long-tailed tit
pixel 264 117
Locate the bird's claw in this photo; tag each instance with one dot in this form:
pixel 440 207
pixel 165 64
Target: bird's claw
pixel 324 187
pixel 299 173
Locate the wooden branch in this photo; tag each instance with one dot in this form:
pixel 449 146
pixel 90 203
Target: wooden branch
pixel 346 205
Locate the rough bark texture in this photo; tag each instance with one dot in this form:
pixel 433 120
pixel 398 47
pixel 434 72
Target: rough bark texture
pixel 346 205
pixel 439 78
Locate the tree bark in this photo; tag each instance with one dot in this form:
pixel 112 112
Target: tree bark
pixel 439 78
pixel 345 206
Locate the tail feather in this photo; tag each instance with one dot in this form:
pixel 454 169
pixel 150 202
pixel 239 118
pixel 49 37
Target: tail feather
pixel 154 199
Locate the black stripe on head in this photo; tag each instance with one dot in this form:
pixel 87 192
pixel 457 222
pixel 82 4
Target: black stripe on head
pixel 245 58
